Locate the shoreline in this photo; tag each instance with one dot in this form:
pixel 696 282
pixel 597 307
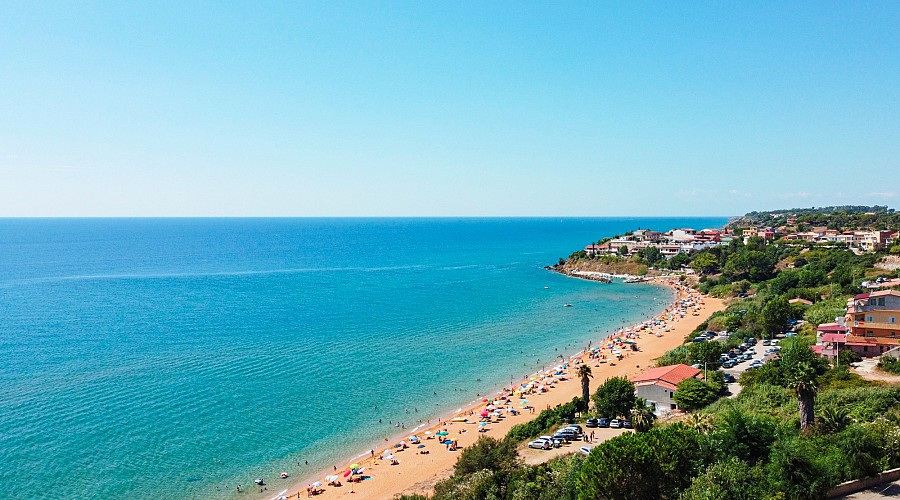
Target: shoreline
pixel 417 473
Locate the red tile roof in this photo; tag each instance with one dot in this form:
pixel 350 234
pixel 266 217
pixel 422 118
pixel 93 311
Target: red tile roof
pixel 671 375
pixel 831 328
pixel 834 337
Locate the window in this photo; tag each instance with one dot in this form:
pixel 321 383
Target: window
pixel 868 318
pixel 892 320
pixel 870 333
pixel 881 301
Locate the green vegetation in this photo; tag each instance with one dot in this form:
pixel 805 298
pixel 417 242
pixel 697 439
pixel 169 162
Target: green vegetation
pixel 615 398
pixel 889 364
pixel 545 421
pixel 798 427
pixel 693 394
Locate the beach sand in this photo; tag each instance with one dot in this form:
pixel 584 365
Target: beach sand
pixel 417 473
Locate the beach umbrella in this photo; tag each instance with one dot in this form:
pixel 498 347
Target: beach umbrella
pixel 427 432
pixel 331 478
pixel 442 433
pixel 360 470
pixel 347 473
pixel 317 484
pixel 482 424
pixel 421 446
pixel 354 466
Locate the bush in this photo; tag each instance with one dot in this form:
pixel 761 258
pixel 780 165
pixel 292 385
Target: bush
pixel 889 364
pixel 546 420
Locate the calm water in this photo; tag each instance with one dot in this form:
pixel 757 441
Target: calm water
pixel 168 357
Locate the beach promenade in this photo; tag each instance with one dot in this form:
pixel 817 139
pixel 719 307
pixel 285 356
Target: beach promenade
pixel 415 472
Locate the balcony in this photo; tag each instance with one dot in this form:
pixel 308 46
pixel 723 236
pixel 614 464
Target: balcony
pixel 874 325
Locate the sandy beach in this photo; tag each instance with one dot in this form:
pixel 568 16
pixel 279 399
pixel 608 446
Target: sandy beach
pixel 416 472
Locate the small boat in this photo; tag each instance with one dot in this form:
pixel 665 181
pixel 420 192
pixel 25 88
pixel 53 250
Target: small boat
pixel 567 305
pixel 546 287
pixel 259 481
pixel 284 475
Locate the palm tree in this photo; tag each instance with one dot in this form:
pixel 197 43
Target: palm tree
pixel 584 372
pixel 803 379
pixel 833 419
pixel 642 416
pixel 700 422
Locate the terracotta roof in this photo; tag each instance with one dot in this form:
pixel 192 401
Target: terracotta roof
pixel 816 349
pixel 834 337
pixel 667 374
pixel 882 293
pixel 831 328
pixel 802 301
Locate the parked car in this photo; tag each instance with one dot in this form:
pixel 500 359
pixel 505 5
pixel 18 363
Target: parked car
pixel 627 424
pixel 699 338
pixel 729 378
pixel 556 443
pixel 603 422
pixel 766 342
pixel 728 364
pixel 585 450
pixel 615 424
pixel 591 423
pixel 540 444
pixel 575 427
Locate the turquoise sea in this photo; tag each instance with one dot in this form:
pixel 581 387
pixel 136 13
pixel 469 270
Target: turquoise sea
pixel 176 358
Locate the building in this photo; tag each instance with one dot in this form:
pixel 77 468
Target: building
pixel 872 322
pixel 832 339
pixel 658 385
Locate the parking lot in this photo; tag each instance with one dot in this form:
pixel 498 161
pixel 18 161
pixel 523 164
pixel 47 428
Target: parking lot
pixel 533 456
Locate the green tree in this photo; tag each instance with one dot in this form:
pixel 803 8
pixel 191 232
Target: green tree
pixel 651 465
pixel 623 251
pixel 730 478
pixel 705 263
pixel 623 467
pixel 775 315
pixel 693 394
pixel 487 453
pixel 642 416
pixel 584 373
pixel 706 352
pixel 743 435
pixel 652 255
pixel 615 398
pixel 801 369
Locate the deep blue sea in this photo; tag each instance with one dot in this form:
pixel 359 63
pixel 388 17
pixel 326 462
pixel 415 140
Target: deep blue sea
pixel 166 358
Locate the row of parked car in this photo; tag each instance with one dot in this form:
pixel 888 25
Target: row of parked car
pixel 614 423
pixel 568 433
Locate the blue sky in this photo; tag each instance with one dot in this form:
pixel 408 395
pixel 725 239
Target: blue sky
pixel 420 108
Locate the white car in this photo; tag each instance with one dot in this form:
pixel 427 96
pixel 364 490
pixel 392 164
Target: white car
pixel 615 424
pixel 556 443
pixel 541 444
pixel 585 450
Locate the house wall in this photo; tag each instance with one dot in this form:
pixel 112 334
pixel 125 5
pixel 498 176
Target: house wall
pixel 658 395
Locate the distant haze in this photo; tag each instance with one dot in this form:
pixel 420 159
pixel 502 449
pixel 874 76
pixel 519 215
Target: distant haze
pixel 427 109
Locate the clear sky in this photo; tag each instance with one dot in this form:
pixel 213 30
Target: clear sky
pixel 337 108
